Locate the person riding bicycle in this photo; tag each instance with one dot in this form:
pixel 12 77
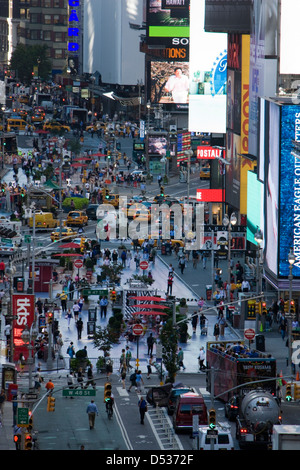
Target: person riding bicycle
pixel 109 402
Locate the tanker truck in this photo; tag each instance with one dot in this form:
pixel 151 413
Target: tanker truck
pixel 258 412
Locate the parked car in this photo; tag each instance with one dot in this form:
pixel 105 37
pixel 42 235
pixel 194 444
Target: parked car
pixel 77 218
pixel 158 396
pixel 91 211
pixel 173 396
pixel 188 405
pixel 223 439
pixel 205 173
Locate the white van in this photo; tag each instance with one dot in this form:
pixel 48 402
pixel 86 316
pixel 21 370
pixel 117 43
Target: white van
pixel 222 440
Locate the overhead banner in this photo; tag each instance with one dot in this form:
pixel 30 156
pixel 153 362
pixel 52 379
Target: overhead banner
pixel 23 317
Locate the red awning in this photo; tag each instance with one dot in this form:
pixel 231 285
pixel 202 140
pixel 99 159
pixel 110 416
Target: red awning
pixel 98 155
pixel 68 254
pixel 151 299
pixel 151 306
pixel 77 165
pixel 81 158
pixel 149 313
pixel 69 245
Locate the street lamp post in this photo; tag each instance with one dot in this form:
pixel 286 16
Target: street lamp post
pixel 189 154
pixel 259 239
pixel 229 223
pixel 291 259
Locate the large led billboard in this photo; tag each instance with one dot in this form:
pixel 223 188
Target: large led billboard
pixel 168 22
pixel 289 216
pixel 255 206
pixel 169 82
pixel 289 37
pixel 208 75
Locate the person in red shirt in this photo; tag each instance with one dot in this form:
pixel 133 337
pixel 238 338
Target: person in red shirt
pixel 2 269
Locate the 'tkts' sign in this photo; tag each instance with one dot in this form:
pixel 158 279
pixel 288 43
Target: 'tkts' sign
pixel 23 316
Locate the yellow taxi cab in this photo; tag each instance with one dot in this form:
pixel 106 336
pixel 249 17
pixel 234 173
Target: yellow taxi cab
pixel 112 199
pixel 17 124
pixel 78 218
pixel 205 173
pixel 67 234
pixel 37 118
pixel 135 210
pixel 24 99
pixel 173 242
pixel 96 126
pixel 56 126
pixel 44 220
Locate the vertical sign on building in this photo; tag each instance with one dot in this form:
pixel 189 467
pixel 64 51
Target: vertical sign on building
pixel 74 36
pixel 23 317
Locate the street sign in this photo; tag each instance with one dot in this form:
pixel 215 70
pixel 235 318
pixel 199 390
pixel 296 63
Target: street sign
pixel 102 292
pixel 144 265
pixel 67 392
pixel 249 333
pixel 22 417
pixel 137 329
pixel 78 263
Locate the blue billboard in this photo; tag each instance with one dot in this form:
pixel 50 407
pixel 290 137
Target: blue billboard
pixel 289 190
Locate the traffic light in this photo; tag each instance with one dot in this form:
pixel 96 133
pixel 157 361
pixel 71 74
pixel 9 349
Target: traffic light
pixel 107 390
pixel 286 307
pixel 28 441
pixel 30 422
pixel 82 244
pixel 108 155
pixel 49 318
pixel 288 392
pixel 22 192
pixel 264 310
pixel 162 191
pixel 17 441
pixel 292 307
pixel 212 418
pixel 257 308
pixel 296 391
pixel 113 295
pixel 51 404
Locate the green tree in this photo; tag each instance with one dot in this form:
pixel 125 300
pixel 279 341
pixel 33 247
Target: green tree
pixel 25 58
pixel 169 337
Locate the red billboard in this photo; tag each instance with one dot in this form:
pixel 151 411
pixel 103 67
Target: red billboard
pixel 205 152
pixel 210 195
pixel 23 316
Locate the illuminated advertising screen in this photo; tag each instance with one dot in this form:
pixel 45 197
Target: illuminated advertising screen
pixel 157 145
pixel 289 215
pixel 169 82
pixel 289 37
pixel 255 199
pixel 168 22
pixel 208 75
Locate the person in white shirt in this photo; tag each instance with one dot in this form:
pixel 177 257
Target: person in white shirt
pixel 178 85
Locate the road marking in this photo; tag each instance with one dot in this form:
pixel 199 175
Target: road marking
pixel 122 391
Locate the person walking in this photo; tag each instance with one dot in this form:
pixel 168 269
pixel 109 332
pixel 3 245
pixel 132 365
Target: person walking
pixel 139 381
pixel 180 359
pixel 63 301
pixel 132 379
pixel 150 343
pixel 76 310
pixel 182 264
pixel 142 404
pixel 90 378
pixel 201 358
pixel 103 306
pixel 71 350
pixel 149 366
pixel 123 375
pixel 194 321
pixel 79 326
pixel 92 411
pixel 49 386
pixel 128 356
pixel 216 331
pixel 69 317
pixel 222 324
pixel 170 284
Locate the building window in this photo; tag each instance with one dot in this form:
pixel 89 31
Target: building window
pixel 47 35
pixel 47 3
pixel 47 19
pixel 58 53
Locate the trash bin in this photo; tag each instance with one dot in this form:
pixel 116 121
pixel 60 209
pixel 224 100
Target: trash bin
pixel 208 292
pixel 260 343
pixel 236 320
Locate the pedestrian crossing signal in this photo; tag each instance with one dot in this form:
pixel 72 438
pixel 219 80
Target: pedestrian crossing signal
pixel 107 391
pixel 51 404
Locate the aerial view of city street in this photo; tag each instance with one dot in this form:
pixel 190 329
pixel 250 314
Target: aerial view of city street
pixel 149 224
